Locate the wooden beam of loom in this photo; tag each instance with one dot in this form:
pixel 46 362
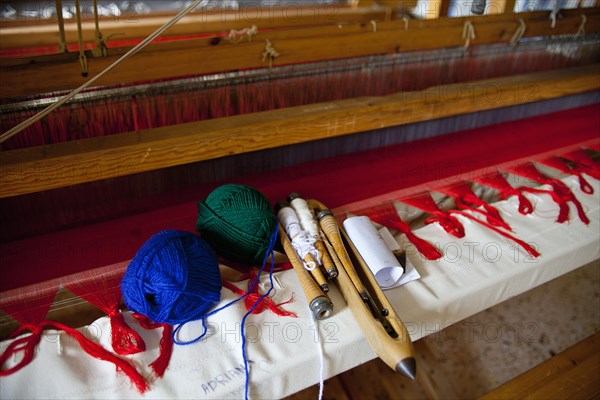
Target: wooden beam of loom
pixel 28 77
pixel 131 27
pixel 46 167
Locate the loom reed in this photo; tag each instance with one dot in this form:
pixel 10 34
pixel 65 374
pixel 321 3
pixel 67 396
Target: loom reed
pixel 107 111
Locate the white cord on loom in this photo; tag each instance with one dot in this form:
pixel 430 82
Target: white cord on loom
pixel 301 241
pixel 321 356
pixel 30 121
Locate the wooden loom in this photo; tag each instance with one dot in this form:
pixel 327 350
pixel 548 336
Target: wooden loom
pixel 38 175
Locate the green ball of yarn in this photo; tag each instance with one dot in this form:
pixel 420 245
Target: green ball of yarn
pixel 237 221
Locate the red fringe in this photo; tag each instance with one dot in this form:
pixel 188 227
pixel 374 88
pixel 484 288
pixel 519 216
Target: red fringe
pixel 252 297
pixel 124 339
pixel 562 166
pixel 561 194
pixel 426 203
pixel 104 292
pixel 386 215
pixel 497 181
pixel 27 345
pixel 159 366
pixel 466 199
pixel 450 224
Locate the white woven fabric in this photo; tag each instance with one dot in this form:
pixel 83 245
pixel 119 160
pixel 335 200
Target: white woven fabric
pixel 476 272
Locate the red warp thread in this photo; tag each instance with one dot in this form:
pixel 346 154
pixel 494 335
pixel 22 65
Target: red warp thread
pixel 31 314
pixel 560 193
pixel 159 366
pixel 465 199
pixel 426 203
pixel 445 218
pixel 105 293
pixel 562 166
pixel 386 215
pixel 254 296
pixel 584 163
pixel 497 181
pixel 27 344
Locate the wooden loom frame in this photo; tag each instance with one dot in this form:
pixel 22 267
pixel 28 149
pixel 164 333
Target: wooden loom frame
pixel 64 164
pixel 47 167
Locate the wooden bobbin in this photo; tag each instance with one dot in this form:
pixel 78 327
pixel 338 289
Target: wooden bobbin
pixel 318 302
pixel 299 205
pixel 331 230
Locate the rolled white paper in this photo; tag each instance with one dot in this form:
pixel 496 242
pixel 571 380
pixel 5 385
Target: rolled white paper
pixel 373 249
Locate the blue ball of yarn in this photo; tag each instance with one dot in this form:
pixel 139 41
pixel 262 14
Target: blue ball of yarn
pixel 173 278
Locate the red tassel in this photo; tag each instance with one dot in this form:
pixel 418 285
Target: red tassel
pixel 584 163
pixel 30 312
pixel 104 292
pixel 99 352
pixel 125 340
pixel 497 181
pixel 27 345
pixel 386 215
pixel 466 199
pixel 562 194
pixel 159 366
pixel 560 165
pixel 425 202
pixel 521 243
pixel 253 297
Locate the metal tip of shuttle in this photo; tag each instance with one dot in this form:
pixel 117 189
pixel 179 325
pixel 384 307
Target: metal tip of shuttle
pixel 407 367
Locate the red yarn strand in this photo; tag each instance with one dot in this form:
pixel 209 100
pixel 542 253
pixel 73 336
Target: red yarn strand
pixel 466 199
pixel 159 366
pixel 584 163
pixel 105 293
pixel 562 194
pixel 386 215
pixel 426 203
pixel 28 343
pixel 498 182
pixel 562 166
pixel 253 297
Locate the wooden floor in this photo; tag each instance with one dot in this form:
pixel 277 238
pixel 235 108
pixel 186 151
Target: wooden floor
pixel 547 337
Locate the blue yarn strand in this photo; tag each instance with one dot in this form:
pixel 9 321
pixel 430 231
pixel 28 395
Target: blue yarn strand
pixel 268 253
pixel 267 293
pixel 252 284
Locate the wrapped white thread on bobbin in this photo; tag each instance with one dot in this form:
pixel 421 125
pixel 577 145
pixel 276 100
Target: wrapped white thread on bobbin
pixel 307 220
pixel 302 242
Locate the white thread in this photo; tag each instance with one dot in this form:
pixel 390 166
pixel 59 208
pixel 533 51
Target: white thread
pixel 269 52
pixel 307 220
pixel 554 15
pixel 321 356
pixel 59 343
pixel 236 36
pixel 581 30
pixel 468 34
pixel 301 241
pixel 514 41
pixel 405 19
pixel 308 223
